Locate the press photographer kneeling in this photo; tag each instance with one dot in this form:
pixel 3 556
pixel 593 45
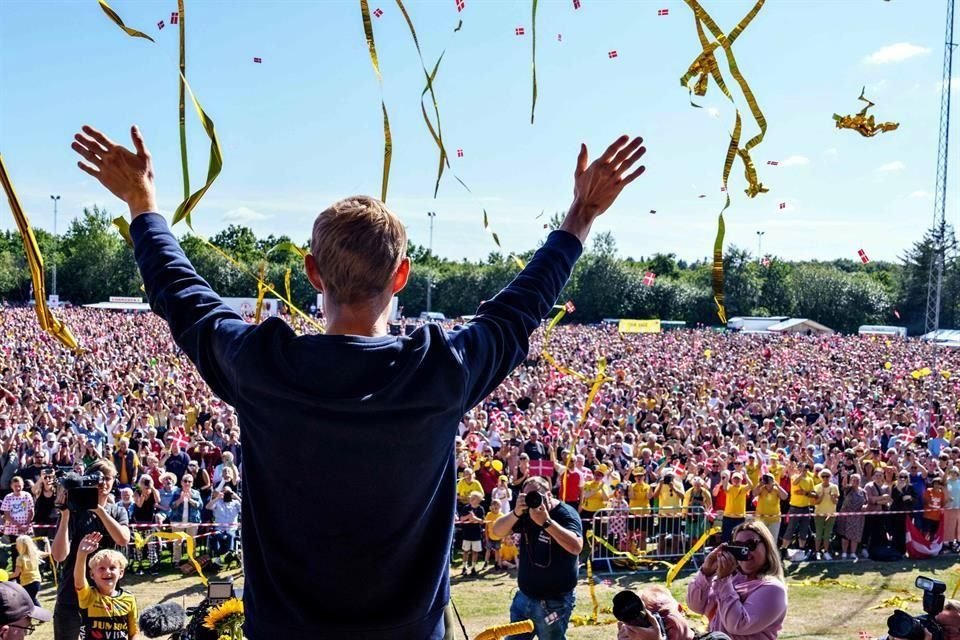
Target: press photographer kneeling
pixel 940 619
pixel 82 501
pixel 551 538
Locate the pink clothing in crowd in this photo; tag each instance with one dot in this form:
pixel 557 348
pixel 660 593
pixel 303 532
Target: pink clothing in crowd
pixel 743 609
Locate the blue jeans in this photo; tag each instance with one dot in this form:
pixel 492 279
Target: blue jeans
pixel 526 608
pixel 221 542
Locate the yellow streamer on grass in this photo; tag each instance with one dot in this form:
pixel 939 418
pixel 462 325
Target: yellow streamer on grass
pixel 140 542
pixel 48 322
pixel 704 67
pixel 387 138
pixel 702 540
pixel 116 19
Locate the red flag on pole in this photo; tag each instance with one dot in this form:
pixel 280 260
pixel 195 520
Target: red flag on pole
pixel 863 256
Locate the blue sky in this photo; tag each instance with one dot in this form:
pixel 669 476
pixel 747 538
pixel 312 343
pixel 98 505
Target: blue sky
pixel 303 129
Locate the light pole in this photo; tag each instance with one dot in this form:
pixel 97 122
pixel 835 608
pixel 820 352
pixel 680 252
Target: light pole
pixel 760 235
pixel 56 241
pixel 431 215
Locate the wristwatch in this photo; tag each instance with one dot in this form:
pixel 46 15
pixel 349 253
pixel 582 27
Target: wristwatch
pixel 547 524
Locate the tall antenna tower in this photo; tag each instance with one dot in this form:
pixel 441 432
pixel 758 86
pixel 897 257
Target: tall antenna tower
pixel 938 256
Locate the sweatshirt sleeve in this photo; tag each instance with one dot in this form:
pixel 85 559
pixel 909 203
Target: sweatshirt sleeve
pixel 207 330
pixel 699 593
pixel 763 607
pixel 497 339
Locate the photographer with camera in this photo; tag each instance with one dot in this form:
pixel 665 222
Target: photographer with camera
pixel 740 586
pixel 77 519
pixel 551 539
pixel 940 620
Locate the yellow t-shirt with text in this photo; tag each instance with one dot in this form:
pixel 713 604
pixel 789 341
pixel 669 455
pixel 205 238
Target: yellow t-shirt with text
pixel 112 617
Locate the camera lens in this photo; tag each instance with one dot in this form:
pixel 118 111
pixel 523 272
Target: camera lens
pixel 533 500
pixel 629 609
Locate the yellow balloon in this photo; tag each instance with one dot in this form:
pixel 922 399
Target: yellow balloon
pixel 498 465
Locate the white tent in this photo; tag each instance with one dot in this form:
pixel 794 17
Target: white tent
pixel 801 326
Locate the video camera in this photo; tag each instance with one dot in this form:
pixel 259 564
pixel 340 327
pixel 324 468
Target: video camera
pixel 83 491
pixel 902 625
pixel 629 609
pixel 169 619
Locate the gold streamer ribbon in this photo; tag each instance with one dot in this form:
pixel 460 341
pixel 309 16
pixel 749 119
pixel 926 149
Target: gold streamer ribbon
pixel 676 567
pixel 177 536
pixel 704 67
pixel 261 292
pixel 116 19
pixel 182 102
pixel 387 138
pixel 632 558
pixel 213 168
pixel 533 36
pixel 504 630
pixel 862 123
pixel 286 283
pixel 31 249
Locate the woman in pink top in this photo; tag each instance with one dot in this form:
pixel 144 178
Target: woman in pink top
pixel 745 599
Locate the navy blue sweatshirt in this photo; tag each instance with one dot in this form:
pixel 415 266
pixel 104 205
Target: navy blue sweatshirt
pixel 349 472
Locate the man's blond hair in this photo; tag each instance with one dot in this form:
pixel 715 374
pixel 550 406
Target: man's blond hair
pixel 358 244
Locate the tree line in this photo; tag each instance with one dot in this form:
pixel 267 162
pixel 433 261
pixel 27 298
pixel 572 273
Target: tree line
pixel 94 263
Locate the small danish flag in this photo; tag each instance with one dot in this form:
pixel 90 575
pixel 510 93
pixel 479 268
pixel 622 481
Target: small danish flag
pixel 459 153
pixel 648 278
pixel 896 313
pixel 612 54
pixel 663 12
pixel 773 162
pixel 160 25
pixel 378 12
pixel 576 4
pixel 765 262
pixel 174 17
pixel 559 37
pixel 863 256
pixel 783 205
pixel 569 306
pixel 460 5
pixel 864 635
pixel 180 440
pixel 519 31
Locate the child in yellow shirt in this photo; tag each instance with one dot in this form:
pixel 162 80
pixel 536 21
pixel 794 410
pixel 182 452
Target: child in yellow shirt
pixel 28 566
pixel 493 541
pixel 107 611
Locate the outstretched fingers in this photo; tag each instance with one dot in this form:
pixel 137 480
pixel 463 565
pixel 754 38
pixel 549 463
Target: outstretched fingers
pixel 613 148
pixel 625 152
pixel 106 142
pixel 632 159
pixel 581 160
pixel 633 176
pixel 138 142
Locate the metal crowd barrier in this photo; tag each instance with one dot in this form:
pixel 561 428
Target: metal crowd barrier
pixel 644 539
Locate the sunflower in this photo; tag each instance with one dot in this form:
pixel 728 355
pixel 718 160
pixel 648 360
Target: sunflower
pixel 228 614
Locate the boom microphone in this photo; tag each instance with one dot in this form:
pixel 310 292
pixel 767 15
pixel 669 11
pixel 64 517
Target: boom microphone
pixel 162 619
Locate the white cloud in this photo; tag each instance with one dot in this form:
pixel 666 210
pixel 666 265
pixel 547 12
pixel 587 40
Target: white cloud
pixel 891 167
pixel 795 161
pixel 713 112
pixel 896 53
pixel 921 195
pixel 243 214
pixel 832 151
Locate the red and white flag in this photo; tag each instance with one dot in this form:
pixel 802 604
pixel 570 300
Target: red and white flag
pixel 773 162
pixel 663 12
pixel 648 278
pixel 783 205
pixel 160 25
pixel 612 54
pixel 559 37
pixel 576 4
pixel 765 262
pixel 863 256
pixel 896 313
pixel 865 635
pixel 519 31
pixel 378 12
pixel 174 17
pixel 569 306
pixel 459 153
pixel 258 60
pixel 460 5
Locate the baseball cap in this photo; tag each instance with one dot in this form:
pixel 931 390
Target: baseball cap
pixel 15 603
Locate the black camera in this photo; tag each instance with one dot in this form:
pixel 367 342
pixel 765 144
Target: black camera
pixel 668 479
pixel 532 499
pixel 738 551
pixel 83 491
pixel 629 609
pixel 902 625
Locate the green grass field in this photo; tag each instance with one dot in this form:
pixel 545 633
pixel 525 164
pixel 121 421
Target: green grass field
pixel 829 612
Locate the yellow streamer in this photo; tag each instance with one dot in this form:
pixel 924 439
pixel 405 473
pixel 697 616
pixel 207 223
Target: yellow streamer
pixel 632 558
pixel 702 540
pixel 286 282
pixel 116 19
pixel 177 536
pixel 504 630
pixel 261 292
pixel 704 67
pixel 387 138
pixel 214 167
pixel 533 37
pixel 182 106
pixel 31 249
pixel 862 123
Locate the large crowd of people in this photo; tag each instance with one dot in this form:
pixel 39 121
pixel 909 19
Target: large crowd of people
pixel 839 446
